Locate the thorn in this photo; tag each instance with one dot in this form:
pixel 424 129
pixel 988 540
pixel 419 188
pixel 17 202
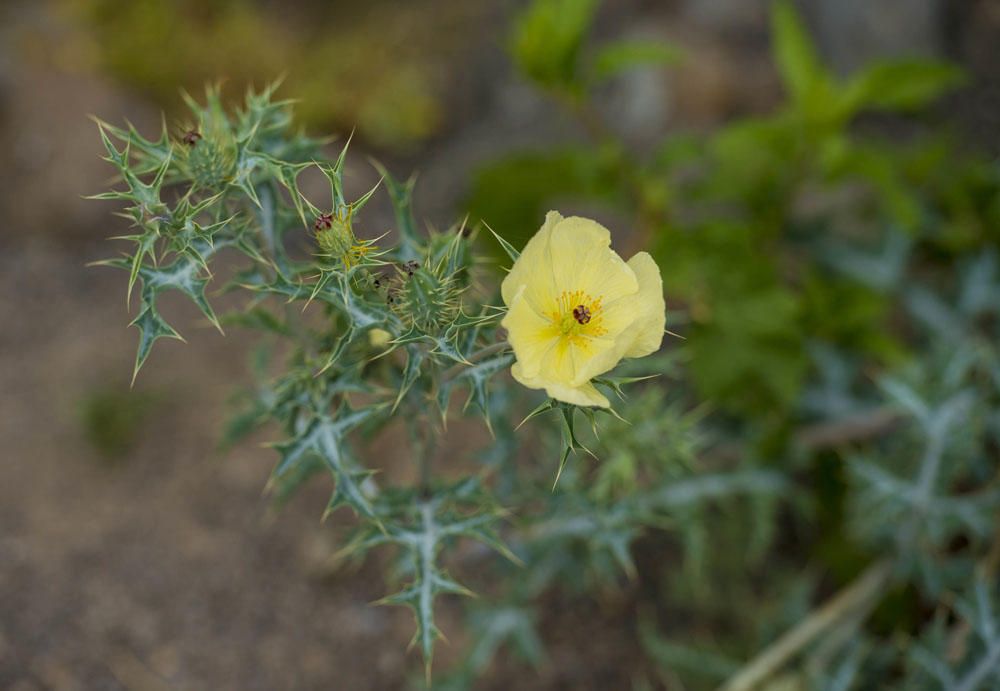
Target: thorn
pixel 562 464
pixel 215 322
pixel 268 486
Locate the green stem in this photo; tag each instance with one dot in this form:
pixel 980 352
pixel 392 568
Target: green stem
pixel 426 468
pixel 481 354
pixel 423 443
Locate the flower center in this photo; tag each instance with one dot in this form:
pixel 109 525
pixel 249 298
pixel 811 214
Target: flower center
pixel 577 315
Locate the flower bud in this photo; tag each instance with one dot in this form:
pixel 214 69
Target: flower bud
pixel 333 235
pixel 379 338
pixel 208 156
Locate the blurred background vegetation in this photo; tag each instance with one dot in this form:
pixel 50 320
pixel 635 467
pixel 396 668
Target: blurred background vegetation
pixel 381 70
pixel 821 191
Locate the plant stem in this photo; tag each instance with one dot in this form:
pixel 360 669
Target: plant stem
pixel 422 436
pixel 426 469
pixel 481 354
pixel 422 439
pixel 851 429
pixel 825 435
pixel 856 596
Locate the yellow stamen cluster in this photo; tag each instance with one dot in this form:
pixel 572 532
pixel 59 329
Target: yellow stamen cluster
pixel 577 313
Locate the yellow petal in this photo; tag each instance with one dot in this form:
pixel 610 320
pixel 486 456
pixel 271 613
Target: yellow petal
pixel 530 335
pixel 595 356
pixel 582 259
pixel 534 269
pixel 558 364
pixel 646 334
pixel 585 395
pixel 574 362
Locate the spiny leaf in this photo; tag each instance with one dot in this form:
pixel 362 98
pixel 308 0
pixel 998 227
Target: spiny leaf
pixel 151 154
pixel 478 377
pixel 181 275
pixel 422 530
pixel 324 437
pixel 247 164
pixel 570 441
pixel 401 195
pixel 415 357
pixel 151 327
pixel 512 253
pixel 146 246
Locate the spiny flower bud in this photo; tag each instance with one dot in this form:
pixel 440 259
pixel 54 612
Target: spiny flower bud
pixel 424 298
pixel 333 235
pixel 209 155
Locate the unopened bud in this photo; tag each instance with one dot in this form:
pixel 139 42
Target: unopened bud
pixel 333 235
pixel 379 338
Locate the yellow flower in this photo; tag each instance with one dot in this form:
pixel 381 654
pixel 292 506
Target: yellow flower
pixel 575 309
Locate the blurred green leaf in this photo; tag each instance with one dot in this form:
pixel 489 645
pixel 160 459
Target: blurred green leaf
pixel 803 74
pixel 900 86
pixel 623 55
pixel 547 39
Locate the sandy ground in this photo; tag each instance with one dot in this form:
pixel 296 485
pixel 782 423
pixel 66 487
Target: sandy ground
pixel 164 569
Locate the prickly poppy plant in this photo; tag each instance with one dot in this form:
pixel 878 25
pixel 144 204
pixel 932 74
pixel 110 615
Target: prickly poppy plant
pixel 385 330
